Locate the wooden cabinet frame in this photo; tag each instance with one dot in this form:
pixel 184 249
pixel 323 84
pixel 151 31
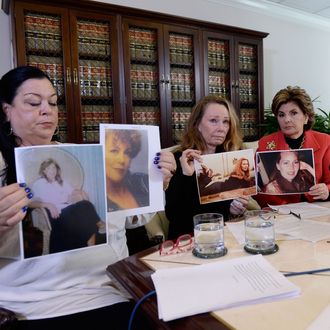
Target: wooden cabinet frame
pixel 120 17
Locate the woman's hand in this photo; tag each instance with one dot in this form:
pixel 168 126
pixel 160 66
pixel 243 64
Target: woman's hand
pixel 165 161
pixel 14 199
pixel 319 191
pixel 187 161
pixel 238 205
pixel 52 210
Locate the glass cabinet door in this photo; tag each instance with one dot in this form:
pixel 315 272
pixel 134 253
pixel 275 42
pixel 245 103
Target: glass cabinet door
pixel 248 90
pixel 44 49
pixel 144 75
pixel 75 49
pixel 161 80
pixel 93 75
pixel 233 69
pixel 181 79
pixel 218 67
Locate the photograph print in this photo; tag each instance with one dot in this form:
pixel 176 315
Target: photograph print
pixel 67 210
pixel 283 172
pixel 130 179
pixel 225 175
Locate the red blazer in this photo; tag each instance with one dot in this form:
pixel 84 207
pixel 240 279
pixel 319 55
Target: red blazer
pixel 319 142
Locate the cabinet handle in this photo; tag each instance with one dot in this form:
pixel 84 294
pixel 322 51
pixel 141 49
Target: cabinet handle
pixel 167 81
pixel 75 76
pixel 68 75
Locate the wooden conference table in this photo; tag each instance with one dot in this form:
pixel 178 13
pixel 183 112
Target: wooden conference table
pixel 133 274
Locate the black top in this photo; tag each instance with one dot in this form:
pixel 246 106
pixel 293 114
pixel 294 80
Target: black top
pixel 182 202
pixel 138 185
pixel 295 143
pixel 231 183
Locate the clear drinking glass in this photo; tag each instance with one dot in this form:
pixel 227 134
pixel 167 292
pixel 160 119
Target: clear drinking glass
pixel 209 236
pixel 260 232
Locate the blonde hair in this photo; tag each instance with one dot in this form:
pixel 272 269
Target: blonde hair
pixel 193 139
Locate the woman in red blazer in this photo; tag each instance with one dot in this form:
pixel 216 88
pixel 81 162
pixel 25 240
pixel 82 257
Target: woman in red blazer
pixel 295 114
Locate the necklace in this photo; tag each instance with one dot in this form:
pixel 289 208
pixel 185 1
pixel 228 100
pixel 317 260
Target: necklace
pixel 296 143
pixel 302 142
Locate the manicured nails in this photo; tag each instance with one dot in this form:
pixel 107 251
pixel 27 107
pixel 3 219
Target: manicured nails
pixel 24 209
pixel 158 154
pixel 159 167
pixel 156 162
pixel 29 194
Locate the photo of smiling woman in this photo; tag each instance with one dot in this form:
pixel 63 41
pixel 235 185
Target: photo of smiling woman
pixel 291 173
pixel 126 189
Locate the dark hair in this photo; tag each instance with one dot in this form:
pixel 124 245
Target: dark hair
pixel 131 137
pixel 300 97
pixel 278 158
pixel 192 137
pixel 9 85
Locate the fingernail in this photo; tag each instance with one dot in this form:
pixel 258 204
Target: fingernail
pixel 158 154
pixel 155 162
pixel 27 189
pixel 23 184
pixel 24 209
pixel 156 158
pixel 30 195
pixel 159 167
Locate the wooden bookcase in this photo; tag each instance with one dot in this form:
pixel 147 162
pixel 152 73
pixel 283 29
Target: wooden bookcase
pixel 112 64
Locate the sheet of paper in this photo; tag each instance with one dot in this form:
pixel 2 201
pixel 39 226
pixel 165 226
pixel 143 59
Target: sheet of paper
pixel 306 210
pixel 219 285
pixel 238 231
pixel 308 230
pixel 322 322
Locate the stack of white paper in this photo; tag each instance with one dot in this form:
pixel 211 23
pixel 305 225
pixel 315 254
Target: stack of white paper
pixel 197 289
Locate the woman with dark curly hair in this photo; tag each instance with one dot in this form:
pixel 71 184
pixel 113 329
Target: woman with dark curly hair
pixel 125 190
pixel 294 111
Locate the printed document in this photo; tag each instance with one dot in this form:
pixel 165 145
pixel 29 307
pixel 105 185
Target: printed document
pixel 219 285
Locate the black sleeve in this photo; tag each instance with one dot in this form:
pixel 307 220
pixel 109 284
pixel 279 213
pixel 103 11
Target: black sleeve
pixel 182 203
